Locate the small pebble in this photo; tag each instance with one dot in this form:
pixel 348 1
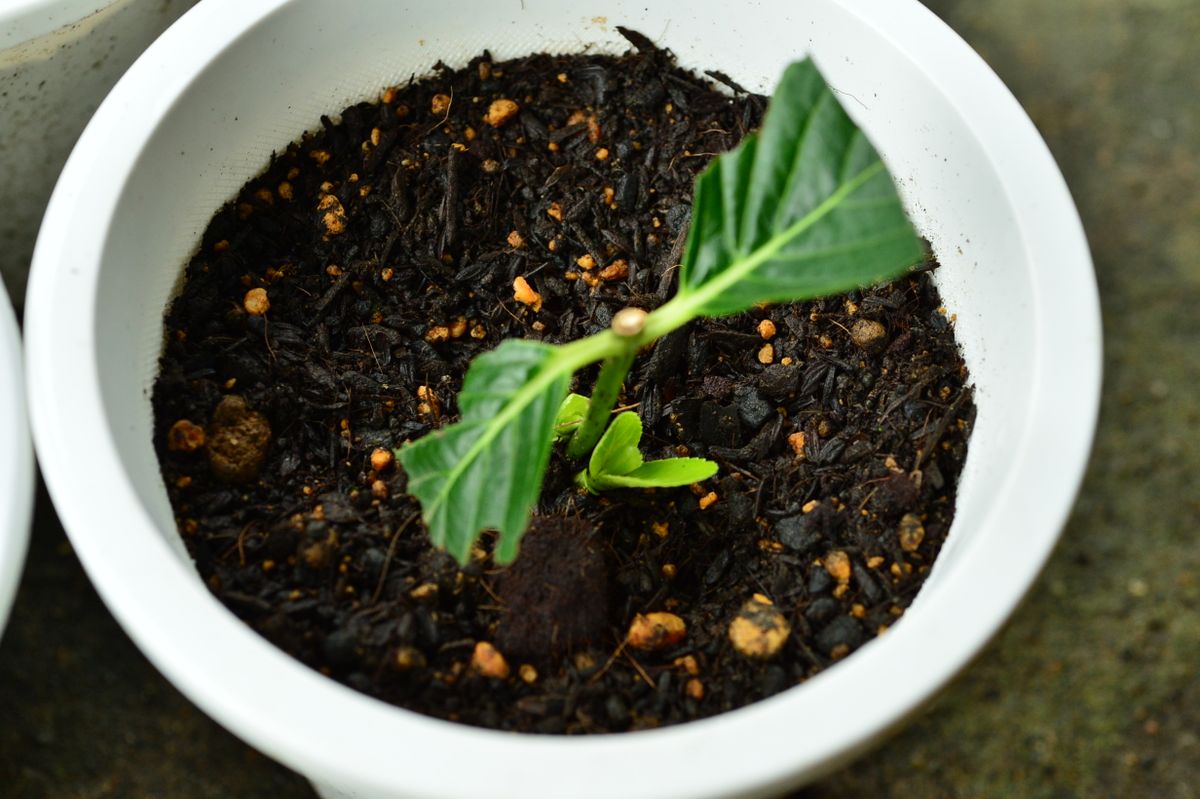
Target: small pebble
pixel 500 111
pixel 895 494
pixel 652 631
pixel 488 662
pixel 837 563
pixel 185 437
pixel 819 581
pixel 527 673
pixel 798 533
pixel 617 270
pixel 256 302
pixel 759 630
pixel 911 532
pixel 822 609
pixel 840 636
pixel 695 689
pixel 381 459
pixel 585 664
pixel 439 104
pixel 868 335
pixel 753 410
pixel 316 555
pixel 766 355
pixel 766 329
pixel 516 240
pixel 333 215
pixel 524 294
pixel 237 441
pixel 688 663
pixel 424 591
pixel 796 442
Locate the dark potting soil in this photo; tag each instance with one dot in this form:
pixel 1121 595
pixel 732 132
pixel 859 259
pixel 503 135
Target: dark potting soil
pixel 383 249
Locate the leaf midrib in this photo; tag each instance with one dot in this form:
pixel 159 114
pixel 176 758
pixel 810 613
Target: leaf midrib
pixel 691 300
pixel 561 362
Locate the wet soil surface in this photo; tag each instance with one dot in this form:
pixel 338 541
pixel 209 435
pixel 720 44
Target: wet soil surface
pixel 332 311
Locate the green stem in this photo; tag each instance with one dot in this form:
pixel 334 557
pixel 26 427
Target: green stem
pixel 604 399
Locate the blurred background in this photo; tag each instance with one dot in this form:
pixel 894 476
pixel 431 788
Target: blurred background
pixel 1091 690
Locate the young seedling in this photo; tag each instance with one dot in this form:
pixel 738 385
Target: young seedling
pixel 617 462
pixel 804 208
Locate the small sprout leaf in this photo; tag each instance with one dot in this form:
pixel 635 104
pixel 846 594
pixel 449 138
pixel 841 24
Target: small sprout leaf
pixel 617 463
pixel 570 415
pixel 617 452
pixel 665 473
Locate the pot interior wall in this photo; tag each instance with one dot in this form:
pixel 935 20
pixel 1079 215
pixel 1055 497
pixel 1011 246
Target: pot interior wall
pixel 276 80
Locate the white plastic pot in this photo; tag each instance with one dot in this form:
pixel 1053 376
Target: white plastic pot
pixel 16 460
pixel 201 112
pixel 58 58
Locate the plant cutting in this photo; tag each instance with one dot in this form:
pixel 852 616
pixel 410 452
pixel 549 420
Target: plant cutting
pixel 802 209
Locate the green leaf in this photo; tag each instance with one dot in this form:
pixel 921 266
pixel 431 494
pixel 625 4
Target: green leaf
pixel 804 208
pixel 617 451
pixel 665 473
pixel 616 462
pixel 485 471
pixel 570 415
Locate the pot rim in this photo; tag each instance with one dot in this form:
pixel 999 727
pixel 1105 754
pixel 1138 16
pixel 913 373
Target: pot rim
pixel 252 688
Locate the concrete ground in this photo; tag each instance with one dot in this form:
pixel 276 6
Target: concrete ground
pixel 1091 690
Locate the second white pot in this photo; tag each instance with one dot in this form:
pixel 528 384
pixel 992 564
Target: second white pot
pixel 16 460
